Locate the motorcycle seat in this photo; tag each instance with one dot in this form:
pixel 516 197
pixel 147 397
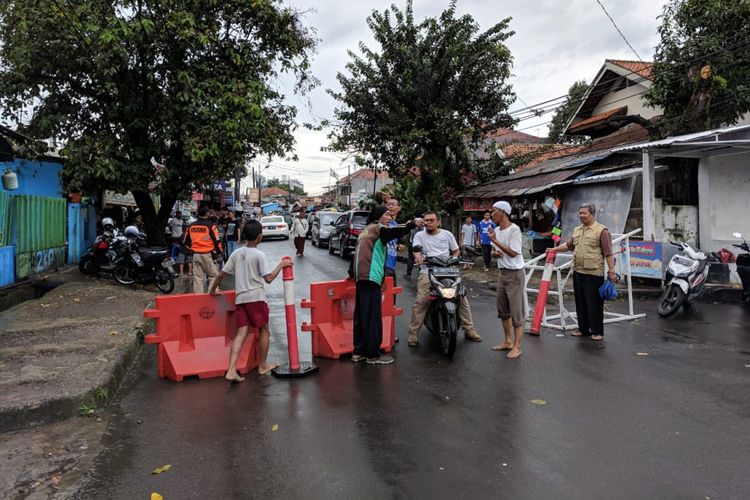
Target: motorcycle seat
pixel 152 251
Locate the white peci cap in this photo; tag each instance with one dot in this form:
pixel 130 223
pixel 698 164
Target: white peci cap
pixel 502 205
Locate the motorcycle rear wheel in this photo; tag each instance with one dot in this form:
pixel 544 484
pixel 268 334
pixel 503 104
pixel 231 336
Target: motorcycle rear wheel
pixel 87 265
pixel 448 332
pixel 121 274
pixel 670 301
pixel 164 282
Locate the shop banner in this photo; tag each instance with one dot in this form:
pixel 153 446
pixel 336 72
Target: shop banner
pixel 645 259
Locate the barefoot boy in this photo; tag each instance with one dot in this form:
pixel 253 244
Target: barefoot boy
pixel 251 269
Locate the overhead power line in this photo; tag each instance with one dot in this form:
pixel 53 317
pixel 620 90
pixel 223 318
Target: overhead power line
pixel 618 30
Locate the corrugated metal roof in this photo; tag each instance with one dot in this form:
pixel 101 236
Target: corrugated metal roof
pixel 518 186
pixel 681 138
pixel 609 176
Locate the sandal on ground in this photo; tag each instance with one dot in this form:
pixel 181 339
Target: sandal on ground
pixel 598 338
pixel 578 333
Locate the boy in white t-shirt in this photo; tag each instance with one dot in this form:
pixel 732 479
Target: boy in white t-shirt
pixel 251 270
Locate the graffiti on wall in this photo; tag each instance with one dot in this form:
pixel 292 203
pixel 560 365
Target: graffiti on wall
pixel 30 263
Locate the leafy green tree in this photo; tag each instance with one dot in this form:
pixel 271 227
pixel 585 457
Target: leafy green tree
pixel 430 88
pixel 565 112
pixel 119 82
pixel 701 68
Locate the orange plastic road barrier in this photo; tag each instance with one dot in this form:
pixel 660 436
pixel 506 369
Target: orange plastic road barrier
pixel 331 307
pixel 194 332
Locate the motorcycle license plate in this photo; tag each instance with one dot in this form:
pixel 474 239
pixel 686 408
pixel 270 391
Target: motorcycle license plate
pixel 446 271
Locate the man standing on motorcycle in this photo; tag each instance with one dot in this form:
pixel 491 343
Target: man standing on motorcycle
pixel 591 244
pixel 507 242
pixel 435 242
pixel 202 239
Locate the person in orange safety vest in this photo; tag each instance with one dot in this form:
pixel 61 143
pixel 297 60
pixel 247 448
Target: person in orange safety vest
pixel 202 239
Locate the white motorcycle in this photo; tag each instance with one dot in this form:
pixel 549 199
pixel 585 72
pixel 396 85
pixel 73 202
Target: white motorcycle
pixel 686 278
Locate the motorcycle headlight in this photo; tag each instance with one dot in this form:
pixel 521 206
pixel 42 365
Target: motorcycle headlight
pixel 448 293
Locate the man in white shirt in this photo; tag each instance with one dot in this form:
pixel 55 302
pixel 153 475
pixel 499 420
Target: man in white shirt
pixel 435 242
pixel 507 245
pixel 469 238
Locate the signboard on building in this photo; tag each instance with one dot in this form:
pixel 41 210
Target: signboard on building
pixel 112 198
pixel 645 259
pixel 253 195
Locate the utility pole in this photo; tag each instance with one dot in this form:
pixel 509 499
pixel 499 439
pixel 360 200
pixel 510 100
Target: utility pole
pixel 350 186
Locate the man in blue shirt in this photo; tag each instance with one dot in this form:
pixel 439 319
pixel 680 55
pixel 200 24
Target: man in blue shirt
pixel 486 226
pixel 393 246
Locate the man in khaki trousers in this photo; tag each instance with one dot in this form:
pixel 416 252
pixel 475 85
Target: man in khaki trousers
pixel 202 238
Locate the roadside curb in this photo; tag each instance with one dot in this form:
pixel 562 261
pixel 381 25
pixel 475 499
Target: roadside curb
pixel 56 409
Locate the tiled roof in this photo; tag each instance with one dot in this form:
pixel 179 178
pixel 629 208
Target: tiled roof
pixel 536 153
pixel 506 135
pixel 601 117
pixel 274 191
pixel 638 67
pixel 363 173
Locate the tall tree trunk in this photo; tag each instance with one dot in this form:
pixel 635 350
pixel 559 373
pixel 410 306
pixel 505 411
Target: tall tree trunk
pixel 154 221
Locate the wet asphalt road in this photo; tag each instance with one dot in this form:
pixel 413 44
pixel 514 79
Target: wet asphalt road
pixel 615 424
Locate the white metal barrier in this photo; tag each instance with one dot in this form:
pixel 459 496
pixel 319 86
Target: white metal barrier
pixel 566 319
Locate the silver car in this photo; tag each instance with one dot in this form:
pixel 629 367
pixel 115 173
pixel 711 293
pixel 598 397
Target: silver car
pixel 322 225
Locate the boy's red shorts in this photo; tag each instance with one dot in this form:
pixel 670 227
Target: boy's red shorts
pixel 254 314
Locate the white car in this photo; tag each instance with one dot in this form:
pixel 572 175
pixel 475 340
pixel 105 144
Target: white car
pixel 274 226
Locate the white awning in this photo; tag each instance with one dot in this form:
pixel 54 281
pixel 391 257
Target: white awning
pixel 720 141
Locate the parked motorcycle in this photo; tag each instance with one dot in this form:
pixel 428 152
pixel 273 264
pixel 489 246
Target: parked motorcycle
pixel 686 278
pixel 446 291
pixel 139 264
pixel 100 257
pixel 743 267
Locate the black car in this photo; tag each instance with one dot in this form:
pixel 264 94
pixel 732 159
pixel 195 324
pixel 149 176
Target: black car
pixel 346 230
pixel 321 226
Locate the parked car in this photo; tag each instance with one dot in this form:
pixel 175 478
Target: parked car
pixel 321 227
pixel 274 226
pixel 346 230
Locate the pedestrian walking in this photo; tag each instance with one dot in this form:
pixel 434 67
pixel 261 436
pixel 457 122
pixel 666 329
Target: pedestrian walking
pixel 508 244
pixel 435 242
pixel 591 244
pixel 369 272
pixel 486 226
pixel 202 238
pixel 469 239
pixel 299 232
pixel 251 271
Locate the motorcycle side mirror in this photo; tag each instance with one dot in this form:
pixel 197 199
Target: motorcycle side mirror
pixel 737 235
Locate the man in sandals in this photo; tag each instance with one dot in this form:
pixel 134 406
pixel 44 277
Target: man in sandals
pixel 591 244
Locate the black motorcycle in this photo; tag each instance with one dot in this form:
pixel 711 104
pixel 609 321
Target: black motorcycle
pixel 743 268
pixel 101 256
pixel 145 265
pixel 446 292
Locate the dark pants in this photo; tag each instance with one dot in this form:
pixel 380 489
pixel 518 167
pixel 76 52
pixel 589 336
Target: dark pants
pixel 487 254
pixel 589 304
pixel 409 262
pixel 299 244
pixel 368 319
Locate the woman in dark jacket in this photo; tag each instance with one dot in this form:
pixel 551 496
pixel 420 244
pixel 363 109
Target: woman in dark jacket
pixel 369 271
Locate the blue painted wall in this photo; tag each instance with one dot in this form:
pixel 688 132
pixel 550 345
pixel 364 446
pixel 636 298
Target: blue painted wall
pixel 35 177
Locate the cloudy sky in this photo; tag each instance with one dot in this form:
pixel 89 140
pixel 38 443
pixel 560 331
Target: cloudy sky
pixel 555 43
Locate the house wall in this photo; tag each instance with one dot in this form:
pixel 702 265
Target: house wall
pixel 39 178
pixel 632 97
pixel 723 187
pixel 366 185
